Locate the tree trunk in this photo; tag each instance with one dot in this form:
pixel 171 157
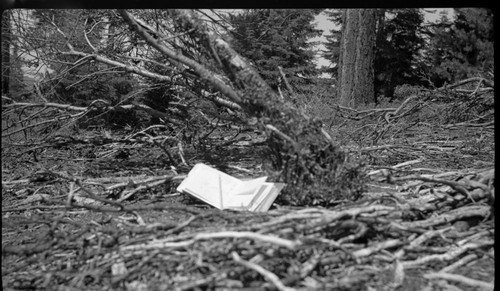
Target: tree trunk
pixel 6 34
pixel 356 74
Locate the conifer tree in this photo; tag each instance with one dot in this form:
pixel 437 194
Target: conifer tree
pixel 399 40
pixel 272 38
pixel 398 49
pixel 461 48
pixel 332 44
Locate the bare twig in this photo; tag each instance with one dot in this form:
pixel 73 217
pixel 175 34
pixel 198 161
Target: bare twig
pixel 461 279
pixel 453 253
pixel 268 275
pixel 287 84
pixel 201 70
pixel 463 82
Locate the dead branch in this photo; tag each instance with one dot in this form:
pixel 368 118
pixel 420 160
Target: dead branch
pixel 268 275
pixel 480 80
pixel 287 84
pixel 301 239
pixel 168 243
pixel 355 114
pixel 462 213
pixel 86 57
pixel 198 68
pixel 461 279
pixel 307 154
pixel 489 124
pixel 463 188
pixel 463 261
pixel 453 253
pixel 83 111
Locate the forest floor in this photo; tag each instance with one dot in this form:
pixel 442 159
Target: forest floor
pixel 134 232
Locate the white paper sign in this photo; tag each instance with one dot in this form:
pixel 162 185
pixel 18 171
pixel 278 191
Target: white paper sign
pixel 227 192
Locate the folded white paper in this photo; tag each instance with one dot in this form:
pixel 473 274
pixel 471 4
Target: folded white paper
pixel 227 192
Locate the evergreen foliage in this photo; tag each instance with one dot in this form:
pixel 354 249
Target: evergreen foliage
pixel 461 48
pixel 417 54
pixel 398 44
pixel 397 56
pixel 81 83
pixel 269 38
pixel 332 44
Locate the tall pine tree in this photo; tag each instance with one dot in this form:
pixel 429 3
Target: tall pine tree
pixel 399 44
pixel 355 81
pixel 462 48
pixel 399 41
pixel 269 38
pixel 332 44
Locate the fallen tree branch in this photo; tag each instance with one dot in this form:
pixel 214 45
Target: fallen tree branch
pixel 198 68
pixel 487 82
pixel 461 279
pixel 167 243
pixel 453 253
pixel 265 273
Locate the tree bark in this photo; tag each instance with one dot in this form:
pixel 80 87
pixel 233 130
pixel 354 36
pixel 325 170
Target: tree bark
pixel 356 76
pixel 6 35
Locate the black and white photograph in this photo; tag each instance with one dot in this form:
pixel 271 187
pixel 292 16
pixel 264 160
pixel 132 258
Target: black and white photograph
pixel 287 149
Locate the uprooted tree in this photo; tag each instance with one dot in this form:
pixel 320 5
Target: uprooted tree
pixel 177 49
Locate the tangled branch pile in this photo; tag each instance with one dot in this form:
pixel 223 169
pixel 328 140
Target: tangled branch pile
pixel 388 236
pixel 73 225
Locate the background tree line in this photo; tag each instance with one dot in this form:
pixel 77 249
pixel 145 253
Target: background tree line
pixel 176 70
pixel 407 50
